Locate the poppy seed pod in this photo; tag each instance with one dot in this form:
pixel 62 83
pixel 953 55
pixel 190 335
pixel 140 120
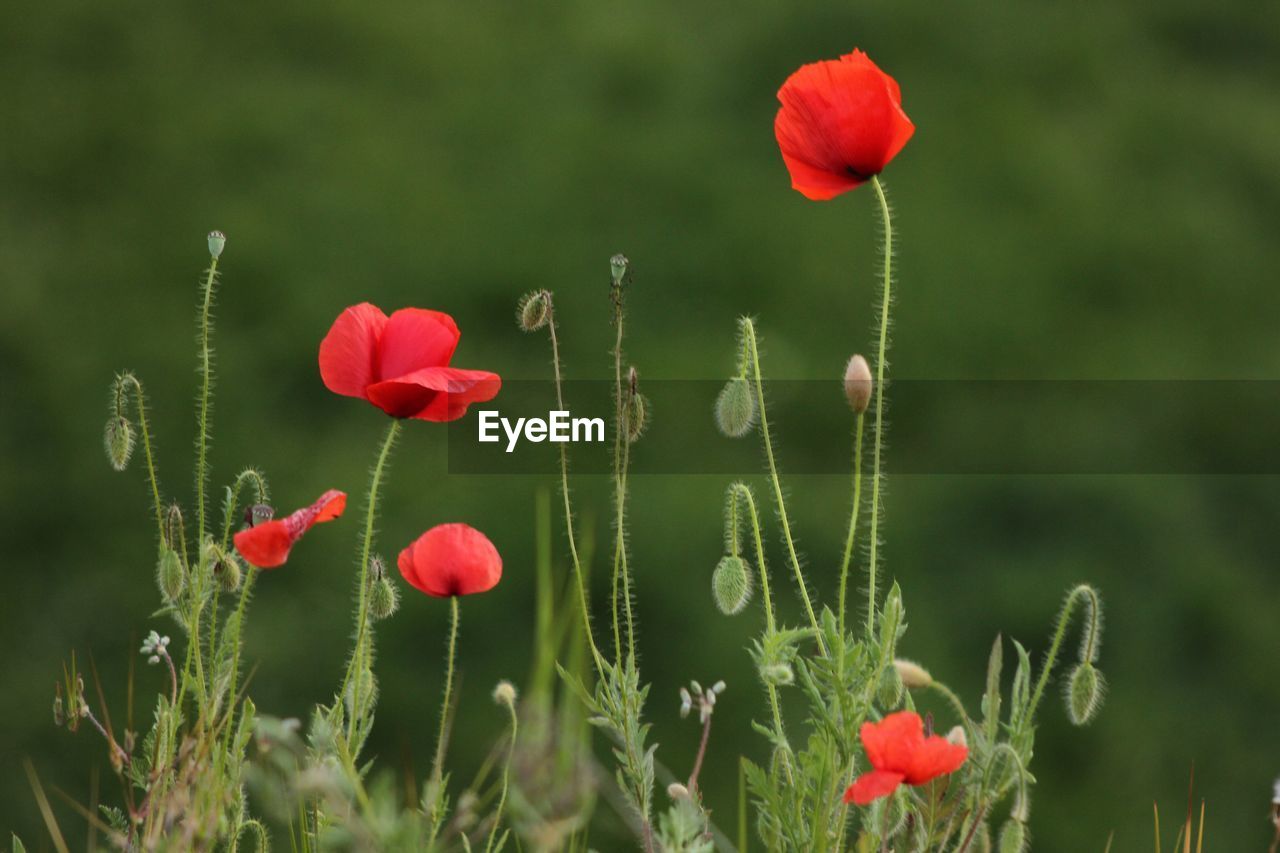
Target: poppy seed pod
pixel 857 384
pixel 1085 689
pixel 736 408
pixel 170 576
pixel 731 585
pixel 118 440
pixel 534 310
pixel 618 267
pixel 913 675
pixel 217 242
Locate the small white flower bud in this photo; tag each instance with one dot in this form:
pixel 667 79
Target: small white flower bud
pixel 913 675
pixel 958 737
pixel 505 693
pixel 857 384
pixel 676 791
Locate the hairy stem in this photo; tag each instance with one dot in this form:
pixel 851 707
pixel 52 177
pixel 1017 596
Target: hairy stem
pixel 744 494
pixel 437 764
pixel 123 382
pixel 206 381
pixel 879 392
pixel 506 777
pixel 1089 644
pixel 853 524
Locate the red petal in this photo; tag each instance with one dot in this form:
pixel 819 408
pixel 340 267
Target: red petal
pixel 451 559
pixel 872 786
pixel 935 757
pixel 266 545
pixel 891 743
pixel 349 353
pixel 327 507
pixel 416 338
pixel 437 394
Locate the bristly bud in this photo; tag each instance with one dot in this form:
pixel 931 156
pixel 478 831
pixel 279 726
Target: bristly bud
pixel 1013 837
pixel 505 694
pixel 170 576
pixel 736 408
pixel 618 268
pixel 957 736
pixel 857 384
pixel 778 674
pixel 913 675
pixel 534 310
pixel 636 414
pixel 384 600
pixel 118 440
pixel 677 792
pixel 217 242
pixel 228 572
pixel 889 691
pixel 1085 689
pixel 731 585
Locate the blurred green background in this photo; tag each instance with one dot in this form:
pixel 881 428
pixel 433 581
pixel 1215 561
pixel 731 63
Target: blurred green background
pixel 1092 192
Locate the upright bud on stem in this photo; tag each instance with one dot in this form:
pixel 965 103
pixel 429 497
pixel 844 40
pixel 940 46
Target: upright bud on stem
pixel 913 675
pixel 534 310
pixel 217 242
pixel 857 384
pixel 505 694
pixel 618 268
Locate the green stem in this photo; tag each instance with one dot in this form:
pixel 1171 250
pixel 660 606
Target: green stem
pixel 506 777
pixel 360 654
pixel 744 493
pixel 879 391
pixel 564 490
pixel 245 477
pixel 1089 646
pixel 237 635
pixel 206 380
pixel 126 379
pixel 437 764
pixel 749 334
pixel 620 568
pixel 853 523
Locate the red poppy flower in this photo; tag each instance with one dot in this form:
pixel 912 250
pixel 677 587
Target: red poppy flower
pixel 449 560
pixel 401 363
pixel 841 122
pixel 899 752
pixel 267 545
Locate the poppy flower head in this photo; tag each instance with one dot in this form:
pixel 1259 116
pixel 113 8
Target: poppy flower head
pixel 899 752
pixel 840 123
pixel 401 363
pixel 267 544
pixel 451 559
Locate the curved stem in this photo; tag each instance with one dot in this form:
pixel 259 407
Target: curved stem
pixel 243 479
pixel 360 655
pixel 127 379
pixel 741 489
pixel 879 391
pixel 506 777
pixel 749 334
pixel 206 381
pixel 564 490
pixel 853 523
pixel 1089 645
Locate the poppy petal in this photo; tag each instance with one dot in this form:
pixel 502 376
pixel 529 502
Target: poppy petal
pixel 872 786
pixel 449 560
pixel 437 394
pixel 265 545
pixel 416 338
pixel 349 353
pixel 891 743
pixel 935 757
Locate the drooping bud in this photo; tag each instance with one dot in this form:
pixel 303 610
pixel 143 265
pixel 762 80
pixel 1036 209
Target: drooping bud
pixel 857 384
pixel 736 408
pixel 677 792
pixel 618 268
pixel 384 600
pixel 228 572
pixel 1013 837
pixel 889 691
pixel 118 440
pixel 913 675
pixel 217 242
pixel 1085 689
pixel 731 585
pixel 534 310
pixel 505 694
pixel 957 736
pixel 170 576
pixel 636 415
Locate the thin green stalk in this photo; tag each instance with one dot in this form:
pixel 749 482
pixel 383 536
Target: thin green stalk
pixel 749 334
pixel 620 568
pixel 564 490
pixel 879 392
pixel 506 777
pixel 359 655
pixel 237 637
pixel 619 474
pixel 544 659
pixel 853 523
pixel 123 380
pixel 770 624
pixel 206 381
pixel 437 764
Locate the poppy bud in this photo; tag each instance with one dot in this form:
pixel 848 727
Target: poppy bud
pixel 534 310
pixel 889 692
pixel 217 242
pixel 637 416
pixel 958 737
pixel 228 573
pixel 618 268
pixel 505 694
pixel 169 574
pixel 777 674
pixel 118 439
pixel 731 585
pixel 368 690
pixel 383 599
pixel 857 384
pixel 913 675
pixel 676 791
pixel 1013 837
pixel 1085 688
pixel 736 408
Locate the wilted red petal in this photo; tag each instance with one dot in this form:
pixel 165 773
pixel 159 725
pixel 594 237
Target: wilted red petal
pixel 349 353
pixel 935 757
pixel 840 123
pixel 415 338
pixel 891 743
pixel 267 545
pixel 434 393
pixel 872 786
pixel 451 559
